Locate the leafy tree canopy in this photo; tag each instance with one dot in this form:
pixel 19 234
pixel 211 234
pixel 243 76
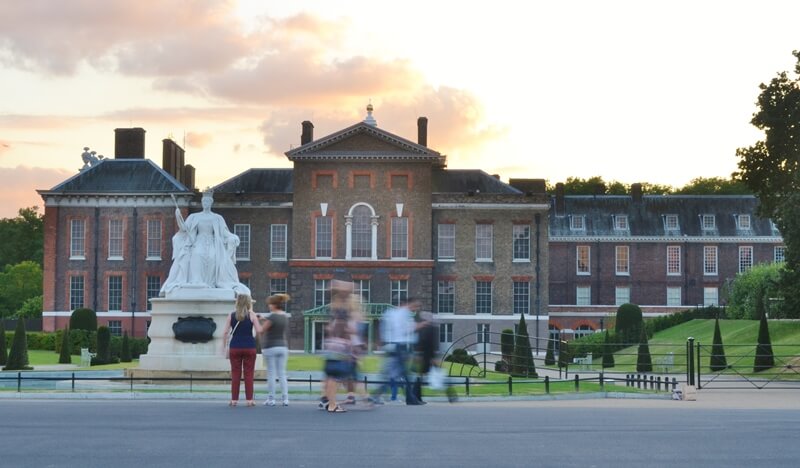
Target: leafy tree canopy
pixel 697 186
pixel 18 283
pixel 22 237
pixel 760 283
pixel 714 186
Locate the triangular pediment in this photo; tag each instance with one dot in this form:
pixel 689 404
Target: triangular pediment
pixel 363 141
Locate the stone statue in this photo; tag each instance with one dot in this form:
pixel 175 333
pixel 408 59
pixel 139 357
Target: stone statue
pixel 89 158
pixel 203 254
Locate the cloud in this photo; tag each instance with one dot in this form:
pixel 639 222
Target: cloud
pixel 198 140
pixel 20 184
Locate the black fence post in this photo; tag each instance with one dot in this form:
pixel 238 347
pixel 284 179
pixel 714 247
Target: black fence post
pixel 510 388
pixel 309 382
pixel 19 382
pixel 674 384
pixel 466 384
pixel 73 382
pixel 547 384
pixel 698 366
pixel 131 380
pixel 577 383
pixel 366 382
pixel 658 383
pixel 602 382
pixel 690 361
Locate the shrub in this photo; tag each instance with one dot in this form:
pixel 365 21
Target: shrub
pixel 138 347
pixel 718 361
pixel 83 319
pixel 18 357
pixel 549 356
pixel 501 366
pixel 77 339
pixel 629 323
pixel 765 359
pixel 608 352
pixel 103 346
pixel 42 341
pixel 644 363
pixel 522 363
pixel 125 354
pixel 3 347
pixel 461 356
pixel 65 357
pixel 507 344
pixel 31 308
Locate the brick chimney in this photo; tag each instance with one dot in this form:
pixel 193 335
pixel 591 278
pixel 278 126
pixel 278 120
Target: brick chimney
pixel 528 186
pixel 188 176
pixel 422 131
pixel 172 160
pixel 561 203
pixel 308 132
pixel 636 192
pixel 129 143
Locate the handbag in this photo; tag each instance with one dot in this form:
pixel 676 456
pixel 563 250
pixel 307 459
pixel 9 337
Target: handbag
pixel 228 341
pixel 436 378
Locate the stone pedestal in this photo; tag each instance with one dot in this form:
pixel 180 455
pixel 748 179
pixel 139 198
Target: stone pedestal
pixel 165 353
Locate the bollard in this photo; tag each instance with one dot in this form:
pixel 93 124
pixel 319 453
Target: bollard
pixel 651 382
pixel 577 383
pixel 658 384
pixel 547 384
pixel 73 382
pixel 466 384
pixel 19 382
pixel 510 388
pixel 602 383
pixel 690 361
pixel 674 384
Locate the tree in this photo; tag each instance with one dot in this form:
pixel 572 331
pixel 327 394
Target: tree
pixel 765 359
pixel 608 352
pixel 549 356
pixel 83 319
pixel 125 354
pixel 507 344
pixel 31 308
pixel 714 186
pixel 103 346
pixel 522 362
pixel 750 287
pixel 23 238
pixel 3 347
pixel 771 169
pixel 629 323
pixel 19 283
pixel 65 357
pixel 644 363
pixel 718 361
pixel 18 357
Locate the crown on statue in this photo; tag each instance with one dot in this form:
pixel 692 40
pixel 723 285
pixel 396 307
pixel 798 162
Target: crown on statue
pixel 208 192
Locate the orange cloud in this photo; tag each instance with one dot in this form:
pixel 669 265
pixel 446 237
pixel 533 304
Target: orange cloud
pixel 20 184
pixel 198 140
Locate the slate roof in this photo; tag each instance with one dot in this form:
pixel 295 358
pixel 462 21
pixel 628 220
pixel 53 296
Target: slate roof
pixel 646 218
pixel 406 149
pixel 259 181
pixel 469 180
pixel 121 176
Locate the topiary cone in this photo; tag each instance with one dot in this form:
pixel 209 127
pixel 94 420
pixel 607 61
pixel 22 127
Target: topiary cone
pixel 718 362
pixel 65 357
pixel 18 357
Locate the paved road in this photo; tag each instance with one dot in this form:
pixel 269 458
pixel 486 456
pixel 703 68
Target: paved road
pixel 195 433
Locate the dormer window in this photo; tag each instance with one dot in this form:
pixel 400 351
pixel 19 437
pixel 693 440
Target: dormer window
pixel 743 222
pixel 708 222
pixel 577 223
pixel 671 222
pixel 621 222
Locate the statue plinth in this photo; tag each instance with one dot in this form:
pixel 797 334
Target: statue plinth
pixel 166 353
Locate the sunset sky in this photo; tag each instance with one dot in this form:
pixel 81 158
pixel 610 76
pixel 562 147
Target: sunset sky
pixel 651 91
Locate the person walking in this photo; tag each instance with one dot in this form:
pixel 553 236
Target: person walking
pixel 427 348
pixel 275 348
pixel 242 347
pixel 338 343
pixel 398 332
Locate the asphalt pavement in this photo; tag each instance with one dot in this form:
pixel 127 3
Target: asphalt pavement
pixel 720 429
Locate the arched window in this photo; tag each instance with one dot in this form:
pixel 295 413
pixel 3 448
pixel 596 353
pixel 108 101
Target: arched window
pixel 362 230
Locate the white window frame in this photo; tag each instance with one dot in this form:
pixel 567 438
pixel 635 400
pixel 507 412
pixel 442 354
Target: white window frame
pixel 275 289
pixel 673 260
pixel 446 289
pixel 322 292
pixel 710 260
pixel 481 295
pixel 710 296
pixel 745 258
pixel 278 244
pixel 243 249
pixel 116 238
pixel 152 289
pixel 583 295
pixel 779 254
pixel 77 293
pixel 372 236
pixel 77 239
pixel 153 239
pixel 323 237
pixel 578 255
pixel 399 243
pixel 115 327
pixel 521 297
pixel 484 333
pixel 622 260
pixel 577 223
pixel 484 240
pixel 109 293
pixel 671 223
pixel 674 296
pixel 581 331
pixel 622 295
pixel 445 332
pixel 398 290
pixel 621 223
pixel 708 222
pixel 361 289
pixel 446 242
pixel 743 222
pixel 521 243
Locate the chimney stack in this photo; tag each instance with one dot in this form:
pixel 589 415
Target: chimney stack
pixel 173 160
pixel 308 132
pixel 636 192
pixel 129 143
pixel 529 186
pixel 561 204
pixel 188 176
pixel 422 131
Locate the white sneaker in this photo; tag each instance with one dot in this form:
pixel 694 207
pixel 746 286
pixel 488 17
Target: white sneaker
pixel 270 402
pixel 286 402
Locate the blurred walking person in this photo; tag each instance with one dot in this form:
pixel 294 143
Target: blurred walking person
pixel 338 343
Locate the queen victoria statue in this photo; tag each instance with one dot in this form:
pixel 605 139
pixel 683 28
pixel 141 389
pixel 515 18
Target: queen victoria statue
pixel 203 257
